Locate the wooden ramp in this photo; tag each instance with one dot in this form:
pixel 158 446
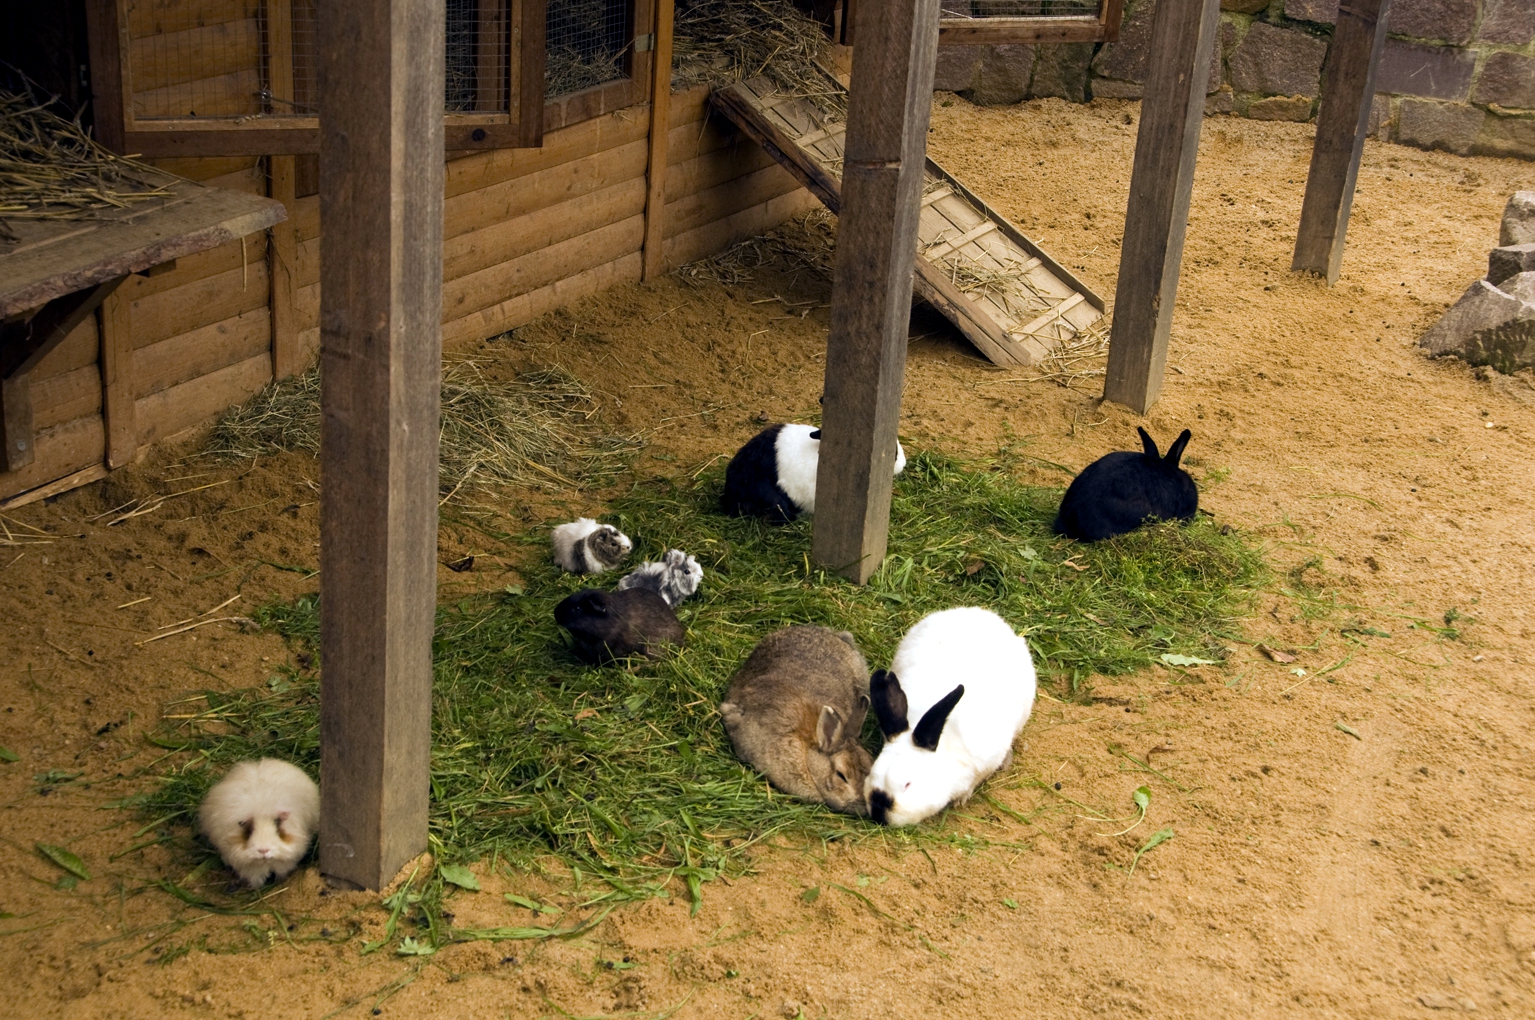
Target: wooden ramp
pixel 1007 296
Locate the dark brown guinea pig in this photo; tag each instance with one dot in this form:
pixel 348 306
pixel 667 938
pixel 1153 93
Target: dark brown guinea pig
pixel 608 625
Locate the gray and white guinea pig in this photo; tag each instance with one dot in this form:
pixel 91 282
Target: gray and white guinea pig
pixel 773 475
pixel 585 547
pixel 968 682
pixel 261 818
pixel 675 577
pixel 608 625
pixel 794 711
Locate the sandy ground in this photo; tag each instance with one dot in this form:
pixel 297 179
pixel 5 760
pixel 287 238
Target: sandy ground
pixel 1315 871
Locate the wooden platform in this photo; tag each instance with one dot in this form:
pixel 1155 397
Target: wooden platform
pixel 1003 292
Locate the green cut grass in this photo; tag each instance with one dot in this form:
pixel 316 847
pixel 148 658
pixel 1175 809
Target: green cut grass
pixel 626 774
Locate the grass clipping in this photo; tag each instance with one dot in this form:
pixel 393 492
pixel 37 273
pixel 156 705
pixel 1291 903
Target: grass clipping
pixel 626 774
pixel 527 432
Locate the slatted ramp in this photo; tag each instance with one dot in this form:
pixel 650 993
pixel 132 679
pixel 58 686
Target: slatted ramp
pixel 1004 293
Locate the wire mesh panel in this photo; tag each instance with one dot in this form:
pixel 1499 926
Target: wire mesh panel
pixel 587 44
pixel 478 56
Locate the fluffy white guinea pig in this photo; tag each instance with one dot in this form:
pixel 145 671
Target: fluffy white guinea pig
pixel 261 818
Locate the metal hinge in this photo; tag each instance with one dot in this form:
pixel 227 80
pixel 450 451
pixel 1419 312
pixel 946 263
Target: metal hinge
pixel 644 43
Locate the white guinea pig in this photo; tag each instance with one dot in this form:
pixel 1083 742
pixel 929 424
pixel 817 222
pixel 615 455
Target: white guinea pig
pixel 261 817
pixel 968 681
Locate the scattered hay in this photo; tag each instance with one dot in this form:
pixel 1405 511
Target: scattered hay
pixel 583 49
pixel 625 775
pixel 719 42
pixel 536 430
pixel 808 243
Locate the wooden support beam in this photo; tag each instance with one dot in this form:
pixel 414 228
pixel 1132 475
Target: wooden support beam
pixel 117 383
pixel 1182 40
pixel 660 130
pixel 1341 124
pixel 381 195
pixel 888 112
pixel 528 59
pixel 288 354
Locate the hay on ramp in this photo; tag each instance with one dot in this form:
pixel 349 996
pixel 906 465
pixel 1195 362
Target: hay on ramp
pixel 720 42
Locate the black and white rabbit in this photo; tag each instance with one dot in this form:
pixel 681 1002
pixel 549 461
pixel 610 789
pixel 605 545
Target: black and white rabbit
pixel 1121 491
pixel 608 625
pixel 585 547
pixel 773 475
pixel 674 577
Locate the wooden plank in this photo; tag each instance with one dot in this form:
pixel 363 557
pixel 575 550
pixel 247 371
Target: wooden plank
pixel 540 268
pixel 203 264
pixel 542 189
pixel 660 129
pixel 482 170
pixel 66 397
pixel 511 239
pixel 160 17
pixel 528 48
pixel 85 476
pixel 252 181
pixel 116 378
pixel 381 195
pixel 973 234
pixel 78 349
pixel 166 412
pixel 566 111
pixel 882 179
pixel 1112 14
pixel 182 139
pixel 1341 125
pixel 61 451
pixel 492 68
pixel 282 270
pixel 225 95
pixel 713 169
pixel 524 308
pixel 689 141
pixel 279 56
pixel 164 315
pixel 722 200
pixel 205 168
pixel 203 51
pixel 1183 37
pixel 107 107
pixel 201 352
pixel 719 234
pixel 1019 31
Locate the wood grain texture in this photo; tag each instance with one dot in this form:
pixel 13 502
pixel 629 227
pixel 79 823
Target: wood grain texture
pixel 660 130
pixel 381 196
pixel 282 270
pixel 105 41
pixel 166 412
pixel 1182 39
pixel 1016 31
pixel 882 178
pixel 203 351
pixel 116 380
pixel 515 311
pixel 1341 125
pixel 530 19
pixel 61 451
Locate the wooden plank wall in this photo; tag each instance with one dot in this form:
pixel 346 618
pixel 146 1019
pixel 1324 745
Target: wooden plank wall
pixel 525 231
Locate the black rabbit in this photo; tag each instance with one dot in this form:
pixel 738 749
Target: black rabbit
pixel 608 625
pixel 1121 491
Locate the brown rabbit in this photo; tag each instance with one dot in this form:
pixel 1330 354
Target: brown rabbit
pixel 794 711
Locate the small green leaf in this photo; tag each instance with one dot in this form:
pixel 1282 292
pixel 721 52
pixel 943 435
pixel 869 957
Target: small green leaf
pixel 810 895
pixel 1142 798
pixel 1157 839
pixel 410 947
pixel 1010 904
pixel 862 881
pixel 460 876
pixel 1346 728
pixel 64 859
pixel 6 754
pixel 1185 660
pixel 533 905
pixel 1028 553
pixel 513 589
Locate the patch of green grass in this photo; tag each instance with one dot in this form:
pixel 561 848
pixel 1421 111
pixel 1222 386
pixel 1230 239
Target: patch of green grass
pixel 626 774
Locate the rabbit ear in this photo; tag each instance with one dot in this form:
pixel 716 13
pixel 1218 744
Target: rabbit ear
pixel 889 703
pixel 860 713
pixel 1147 443
pixel 1175 452
pixel 828 730
pixel 930 728
pixel 816 434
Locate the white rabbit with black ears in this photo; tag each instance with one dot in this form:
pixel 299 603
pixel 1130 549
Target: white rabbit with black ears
pixel 969 682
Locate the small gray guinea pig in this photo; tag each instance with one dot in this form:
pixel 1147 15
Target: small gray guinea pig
pixel 794 711
pixel 674 578
pixel 585 547
pixel 608 625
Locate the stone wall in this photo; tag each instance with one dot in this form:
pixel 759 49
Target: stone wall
pixel 1456 74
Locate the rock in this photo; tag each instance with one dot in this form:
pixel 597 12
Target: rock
pixel 1508 79
pixel 1220 101
pixel 1061 71
pixel 957 66
pixel 1508 21
pixel 1296 108
pixel 1125 59
pixel 1108 88
pixel 1276 61
pixel 1449 20
pixel 1485 327
pixel 1433 72
pixel 1518 219
pixel 1506 136
pixel 1003 77
pixel 1323 12
pixel 1448 126
pixel 1521 286
pixel 1380 117
pixel 1508 262
pixel 1248 6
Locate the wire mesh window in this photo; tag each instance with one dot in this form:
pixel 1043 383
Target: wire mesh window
pixel 587 44
pixel 479 46
pixel 1020 8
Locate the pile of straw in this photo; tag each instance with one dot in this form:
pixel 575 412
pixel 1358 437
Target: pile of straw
pixel 719 42
pixel 808 243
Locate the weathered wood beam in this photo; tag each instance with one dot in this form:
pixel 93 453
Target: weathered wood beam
pixel 1341 124
pixel 1182 40
pixel 660 130
pixel 381 194
pixel 888 110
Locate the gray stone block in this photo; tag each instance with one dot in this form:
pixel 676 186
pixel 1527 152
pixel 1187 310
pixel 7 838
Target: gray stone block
pixel 1293 108
pixel 1506 136
pixel 1434 72
pixel 1125 59
pixel 1248 6
pixel 1061 71
pixel 957 66
pixel 1518 225
pixel 1449 126
pixel 1508 21
pixel 1508 262
pixel 1108 88
pixel 1278 62
pixel 1508 79
pixel 1220 101
pixel 1450 20
pixel 1323 12
pixel 1380 117
pixel 1521 286
pixel 1485 327
pixel 1003 77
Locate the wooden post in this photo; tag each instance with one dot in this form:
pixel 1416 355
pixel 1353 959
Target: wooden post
pixel 381 193
pixel 660 130
pixel 288 357
pixel 888 110
pixel 1340 129
pixel 104 37
pixel 527 61
pixel 1182 41
pixel 115 325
